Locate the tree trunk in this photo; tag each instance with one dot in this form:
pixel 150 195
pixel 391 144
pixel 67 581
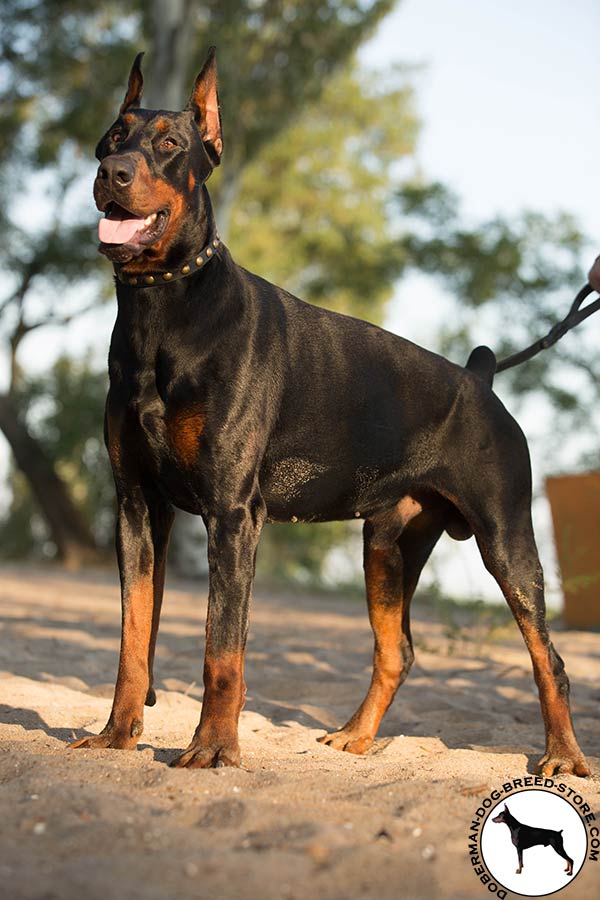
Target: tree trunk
pixel 74 542
pixel 172 32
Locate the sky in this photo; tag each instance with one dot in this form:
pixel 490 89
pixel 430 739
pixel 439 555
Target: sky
pixel 508 99
pixel 510 110
pixel 507 94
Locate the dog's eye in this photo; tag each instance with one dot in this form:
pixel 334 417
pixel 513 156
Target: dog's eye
pixel 116 136
pixel 167 144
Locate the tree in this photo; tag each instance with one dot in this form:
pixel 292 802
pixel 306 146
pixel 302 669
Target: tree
pixel 63 67
pixel 315 211
pixel 308 191
pixel 512 281
pixel 65 407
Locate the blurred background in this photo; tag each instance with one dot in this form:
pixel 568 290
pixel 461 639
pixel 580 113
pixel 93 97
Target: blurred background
pixel 427 165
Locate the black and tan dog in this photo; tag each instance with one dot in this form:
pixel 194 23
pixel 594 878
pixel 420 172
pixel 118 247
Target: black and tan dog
pixel 525 836
pixel 236 401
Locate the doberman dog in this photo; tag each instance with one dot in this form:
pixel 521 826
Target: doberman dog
pixel 525 836
pixel 232 399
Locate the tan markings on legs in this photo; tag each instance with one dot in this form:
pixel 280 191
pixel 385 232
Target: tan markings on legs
pixel 215 742
pixel 562 751
pixel 125 724
pixel 133 677
pixel 184 430
pixel 224 691
pixel 509 552
pixel 397 547
pixel 392 656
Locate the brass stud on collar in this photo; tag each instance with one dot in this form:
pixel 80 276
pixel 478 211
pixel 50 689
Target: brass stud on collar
pixel 204 255
pixel 357 514
pixel 294 519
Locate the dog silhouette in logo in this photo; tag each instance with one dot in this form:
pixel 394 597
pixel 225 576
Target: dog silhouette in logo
pixel 525 836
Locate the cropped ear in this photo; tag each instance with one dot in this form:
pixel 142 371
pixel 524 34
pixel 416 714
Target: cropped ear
pixel 506 807
pixel 204 104
pixel 135 85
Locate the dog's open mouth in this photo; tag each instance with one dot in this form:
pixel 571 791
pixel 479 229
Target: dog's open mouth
pixel 121 226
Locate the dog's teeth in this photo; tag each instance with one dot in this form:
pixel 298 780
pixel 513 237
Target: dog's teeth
pixel 150 219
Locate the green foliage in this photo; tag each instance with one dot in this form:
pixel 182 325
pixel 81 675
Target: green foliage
pixel 298 553
pixel 275 58
pixel 313 211
pixel 512 281
pixel 64 66
pixel 22 531
pixel 498 260
pixel 310 194
pixel 64 410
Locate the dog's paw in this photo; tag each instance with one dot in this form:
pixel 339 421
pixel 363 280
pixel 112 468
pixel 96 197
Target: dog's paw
pixel 111 738
pixel 348 741
pixel 563 763
pixel 214 754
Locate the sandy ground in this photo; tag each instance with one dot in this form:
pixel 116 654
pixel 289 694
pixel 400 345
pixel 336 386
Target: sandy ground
pixel 299 820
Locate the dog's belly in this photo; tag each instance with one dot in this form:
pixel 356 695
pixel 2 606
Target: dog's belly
pixel 297 488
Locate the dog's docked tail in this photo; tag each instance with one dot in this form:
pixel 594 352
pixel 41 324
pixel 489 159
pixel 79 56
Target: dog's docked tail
pixel 483 362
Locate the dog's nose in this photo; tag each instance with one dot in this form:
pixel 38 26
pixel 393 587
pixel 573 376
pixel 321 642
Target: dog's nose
pixel 117 171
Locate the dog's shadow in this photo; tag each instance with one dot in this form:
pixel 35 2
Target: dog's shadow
pixel 30 720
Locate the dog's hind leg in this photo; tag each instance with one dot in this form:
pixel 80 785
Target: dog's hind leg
pixel 560 849
pixel 393 564
pixel 509 552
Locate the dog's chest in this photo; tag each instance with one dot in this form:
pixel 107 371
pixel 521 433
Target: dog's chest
pixel 170 434
pixel 163 434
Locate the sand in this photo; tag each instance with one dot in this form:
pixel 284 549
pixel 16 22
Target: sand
pixel 299 819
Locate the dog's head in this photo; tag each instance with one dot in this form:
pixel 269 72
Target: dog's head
pixel 502 816
pixel 153 164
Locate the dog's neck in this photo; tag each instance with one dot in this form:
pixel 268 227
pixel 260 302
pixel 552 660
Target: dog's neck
pixel 190 254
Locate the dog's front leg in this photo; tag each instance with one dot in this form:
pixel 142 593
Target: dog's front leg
pixel 143 526
pixel 520 855
pixel 232 543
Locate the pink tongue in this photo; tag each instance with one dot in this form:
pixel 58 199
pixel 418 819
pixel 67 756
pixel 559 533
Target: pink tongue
pixel 118 231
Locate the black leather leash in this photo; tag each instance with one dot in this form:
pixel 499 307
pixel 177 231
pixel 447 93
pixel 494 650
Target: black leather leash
pixel 575 315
